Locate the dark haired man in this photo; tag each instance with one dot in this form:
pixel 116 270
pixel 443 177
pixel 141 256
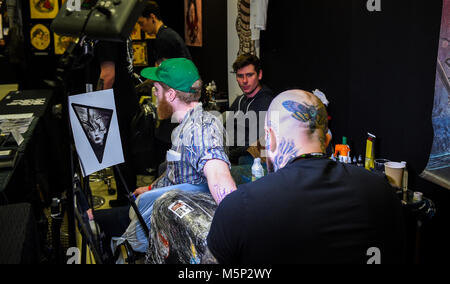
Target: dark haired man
pixel 256 98
pixel 168 43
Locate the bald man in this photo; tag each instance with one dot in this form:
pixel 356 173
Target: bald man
pixel 310 209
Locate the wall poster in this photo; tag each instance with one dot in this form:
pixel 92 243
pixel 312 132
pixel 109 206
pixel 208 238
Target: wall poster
pixel 40 37
pixel 136 33
pixel 147 36
pixel 62 43
pixel 193 23
pixel 438 167
pixel 44 9
pixel 1 27
pixel 140 53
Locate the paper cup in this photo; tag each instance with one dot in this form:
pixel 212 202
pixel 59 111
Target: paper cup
pixel 394 173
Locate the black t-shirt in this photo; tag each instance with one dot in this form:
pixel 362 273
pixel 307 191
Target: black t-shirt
pixel 311 211
pixel 260 102
pixel 169 44
pixel 257 104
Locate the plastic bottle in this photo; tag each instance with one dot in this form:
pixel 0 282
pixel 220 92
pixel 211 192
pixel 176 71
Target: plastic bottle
pixel 257 169
pixel 370 145
pixel 360 162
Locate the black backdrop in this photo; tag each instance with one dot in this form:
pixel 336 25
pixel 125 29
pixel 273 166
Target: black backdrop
pixel 378 72
pixel 211 58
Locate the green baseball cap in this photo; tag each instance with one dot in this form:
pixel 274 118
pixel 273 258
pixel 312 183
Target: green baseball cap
pixel 177 73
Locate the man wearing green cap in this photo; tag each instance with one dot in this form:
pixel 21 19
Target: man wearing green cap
pixel 197 155
pixel 197 160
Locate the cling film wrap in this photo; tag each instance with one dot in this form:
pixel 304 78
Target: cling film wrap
pixel 180 223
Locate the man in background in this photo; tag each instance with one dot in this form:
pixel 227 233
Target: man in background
pixel 168 43
pixel 255 98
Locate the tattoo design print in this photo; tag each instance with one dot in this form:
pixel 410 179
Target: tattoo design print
pixel 315 116
pixel 286 153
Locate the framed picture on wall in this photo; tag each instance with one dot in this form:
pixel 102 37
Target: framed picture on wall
pixel 147 36
pixel 136 32
pixel 44 9
pixel 1 27
pixel 193 31
pixel 62 43
pixel 40 37
pixel 140 53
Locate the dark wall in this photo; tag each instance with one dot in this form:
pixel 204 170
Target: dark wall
pixel 378 72
pixel 211 58
pixel 21 64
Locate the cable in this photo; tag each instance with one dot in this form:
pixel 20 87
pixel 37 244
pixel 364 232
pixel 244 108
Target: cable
pixel 86 21
pixel 5 197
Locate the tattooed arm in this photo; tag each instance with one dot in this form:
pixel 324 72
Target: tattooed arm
pixel 219 178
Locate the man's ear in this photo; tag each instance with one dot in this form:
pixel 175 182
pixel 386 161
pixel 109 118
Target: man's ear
pixel 260 75
pixel 273 140
pixel 327 139
pixel 171 95
pixel 152 17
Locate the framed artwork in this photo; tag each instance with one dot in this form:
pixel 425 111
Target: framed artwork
pixel 140 53
pixel 1 27
pixel 136 33
pixel 193 22
pixel 44 9
pixel 95 129
pixel 40 37
pixel 147 36
pixel 62 43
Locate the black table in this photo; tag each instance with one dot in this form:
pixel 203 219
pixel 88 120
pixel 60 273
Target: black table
pixel 27 101
pixel 33 174
pixel 7 174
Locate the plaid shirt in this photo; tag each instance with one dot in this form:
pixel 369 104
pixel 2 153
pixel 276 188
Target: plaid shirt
pixel 198 139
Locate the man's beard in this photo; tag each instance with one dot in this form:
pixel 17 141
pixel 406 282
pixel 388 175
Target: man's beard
pixel 165 110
